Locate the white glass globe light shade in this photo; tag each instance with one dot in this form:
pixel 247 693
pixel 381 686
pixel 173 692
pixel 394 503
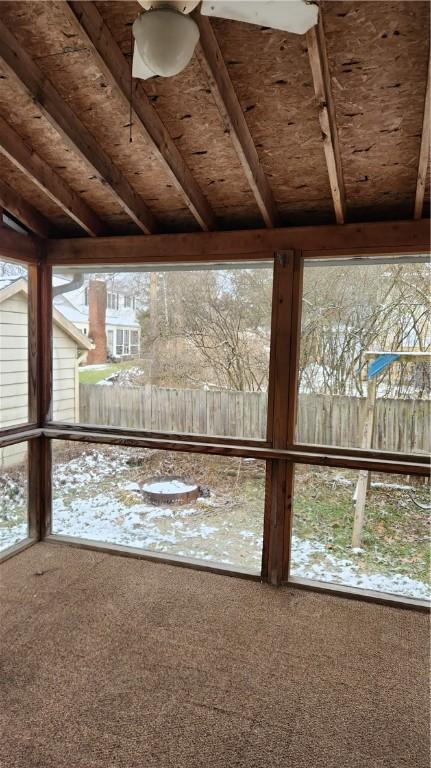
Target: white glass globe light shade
pixel 164 43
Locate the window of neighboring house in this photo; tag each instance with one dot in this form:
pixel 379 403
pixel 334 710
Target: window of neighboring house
pixel 113 300
pixel 126 342
pixel 128 301
pixel 85 331
pixel 134 342
pixel 110 341
pixel 120 341
pixel 86 297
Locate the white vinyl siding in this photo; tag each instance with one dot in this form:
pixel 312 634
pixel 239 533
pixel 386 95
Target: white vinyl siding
pixel 14 373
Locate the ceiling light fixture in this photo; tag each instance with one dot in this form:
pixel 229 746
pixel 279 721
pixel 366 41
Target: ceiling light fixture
pixel 164 43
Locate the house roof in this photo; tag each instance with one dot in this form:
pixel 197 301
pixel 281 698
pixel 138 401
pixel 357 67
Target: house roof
pixel 20 286
pixel 121 318
pixel 262 126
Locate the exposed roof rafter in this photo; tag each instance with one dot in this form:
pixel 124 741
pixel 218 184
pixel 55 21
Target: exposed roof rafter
pixel 212 63
pixel 22 68
pixel 35 221
pixel 40 173
pixel 117 71
pixel 424 153
pixel 327 118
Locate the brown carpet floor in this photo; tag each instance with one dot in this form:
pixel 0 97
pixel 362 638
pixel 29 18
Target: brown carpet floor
pixel 108 661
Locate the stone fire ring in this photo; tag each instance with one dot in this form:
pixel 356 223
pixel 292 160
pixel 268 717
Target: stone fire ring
pixel 169 490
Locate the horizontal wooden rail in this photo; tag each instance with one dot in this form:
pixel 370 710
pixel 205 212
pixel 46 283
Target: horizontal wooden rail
pixel 130 440
pixel 15 549
pixel 19 436
pixel 156 557
pixel 172 436
pixel 358 593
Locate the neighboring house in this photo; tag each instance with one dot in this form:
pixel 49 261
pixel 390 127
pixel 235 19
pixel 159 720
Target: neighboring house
pixel 122 326
pixel 70 346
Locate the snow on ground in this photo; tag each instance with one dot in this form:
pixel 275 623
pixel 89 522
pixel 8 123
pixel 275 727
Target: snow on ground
pixel 97 367
pixel 126 377
pixel 96 497
pixel 310 560
pixel 167 486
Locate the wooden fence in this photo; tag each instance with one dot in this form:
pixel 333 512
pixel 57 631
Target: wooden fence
pixel 401 425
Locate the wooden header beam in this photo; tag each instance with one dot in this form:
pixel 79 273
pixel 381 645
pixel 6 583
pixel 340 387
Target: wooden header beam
pixel 21 68
pixel 87 19
pixel 40 173
pixel 16 247
pixel 318 242
pixel 211 60
pixel 322 86
pixel 423 153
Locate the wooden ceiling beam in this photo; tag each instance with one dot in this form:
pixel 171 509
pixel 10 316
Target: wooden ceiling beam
pixel 116 70
pixel 212 64
pixel 46 179
pixel 12 202
pixel 424 153
pixel 328 123
pixel 23 69
pixel 385 237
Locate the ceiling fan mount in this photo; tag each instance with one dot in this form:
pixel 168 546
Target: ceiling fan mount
pixel 166 34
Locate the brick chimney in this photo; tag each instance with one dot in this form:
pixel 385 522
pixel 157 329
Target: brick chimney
pixel 97 321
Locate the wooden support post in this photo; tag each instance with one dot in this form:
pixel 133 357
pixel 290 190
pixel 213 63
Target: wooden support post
pixel 281 409
pixel 362 485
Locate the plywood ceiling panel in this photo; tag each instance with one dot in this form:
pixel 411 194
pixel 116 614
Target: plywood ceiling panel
pixel 378 53
pixel 74 72
pixel 272 78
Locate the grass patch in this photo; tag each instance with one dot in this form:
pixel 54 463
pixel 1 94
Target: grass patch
pixel 396 533
pixel 89 376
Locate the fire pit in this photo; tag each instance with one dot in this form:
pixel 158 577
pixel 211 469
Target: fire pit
pixel 169 490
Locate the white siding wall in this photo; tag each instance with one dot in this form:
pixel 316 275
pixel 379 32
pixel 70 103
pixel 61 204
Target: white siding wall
pixel 66 388
pixel 14 373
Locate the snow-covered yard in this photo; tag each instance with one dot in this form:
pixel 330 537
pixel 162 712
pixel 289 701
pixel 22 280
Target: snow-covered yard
pixel 97 495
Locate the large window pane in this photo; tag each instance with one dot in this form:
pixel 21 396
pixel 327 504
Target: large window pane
pixel 394 551
pixel 13 495
pixel 179 350
pixel 121 496
pixel 350 395
pixel 13 344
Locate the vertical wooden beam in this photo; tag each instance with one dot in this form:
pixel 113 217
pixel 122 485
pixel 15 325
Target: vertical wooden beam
pixel 33 446
pixel 327 117
pixel 212 64
pixel 423 153
pixel 40 393
pixel 46 395
pixel 275 507
pixel 294 350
